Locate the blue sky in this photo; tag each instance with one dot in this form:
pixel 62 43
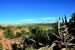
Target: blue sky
pixel 34 11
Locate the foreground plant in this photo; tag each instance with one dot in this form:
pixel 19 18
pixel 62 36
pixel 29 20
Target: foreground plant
pixel 63 34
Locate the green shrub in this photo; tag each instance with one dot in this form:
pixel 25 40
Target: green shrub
pixel 19 34
pixel 30 48
pixel 8 34
pixel 1 48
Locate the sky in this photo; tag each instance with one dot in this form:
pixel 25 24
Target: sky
pixel 35 11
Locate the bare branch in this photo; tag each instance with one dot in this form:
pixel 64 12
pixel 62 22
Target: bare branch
pixel 56 35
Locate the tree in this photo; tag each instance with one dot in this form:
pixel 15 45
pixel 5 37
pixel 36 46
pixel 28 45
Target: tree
pixel 72 24
pixel 72 20
pixel 63 34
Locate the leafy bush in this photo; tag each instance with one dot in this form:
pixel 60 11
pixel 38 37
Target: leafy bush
pixel 1 48
pixel 29 48
pixel 18 34
pixel 8 34
pixel 40 35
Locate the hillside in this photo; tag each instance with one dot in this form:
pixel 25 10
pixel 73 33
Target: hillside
pixel 10 34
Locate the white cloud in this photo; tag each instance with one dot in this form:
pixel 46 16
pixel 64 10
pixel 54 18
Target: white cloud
pixel 37 20
pixel 48 18
pixel 27 20
pixel 20 21
pixel 33 20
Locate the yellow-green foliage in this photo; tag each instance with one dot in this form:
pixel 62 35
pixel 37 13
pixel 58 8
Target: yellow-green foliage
pixel 26 30
pixel 1 48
